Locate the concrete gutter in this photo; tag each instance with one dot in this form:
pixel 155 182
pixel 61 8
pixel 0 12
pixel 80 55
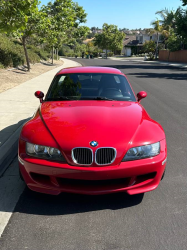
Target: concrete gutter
pixel 17 105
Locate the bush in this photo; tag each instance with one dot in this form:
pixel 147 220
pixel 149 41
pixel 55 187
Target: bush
pixel 110 54
pixel 33 57
pixel 10 54
pixel 44 55
pixel 95 54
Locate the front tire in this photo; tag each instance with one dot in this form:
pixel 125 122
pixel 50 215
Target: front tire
pixel 163 175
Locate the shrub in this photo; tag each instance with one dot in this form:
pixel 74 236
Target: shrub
pixel 10 54
pixel 110 53
pixel 33 57
pixel 95 54
pixel 44 55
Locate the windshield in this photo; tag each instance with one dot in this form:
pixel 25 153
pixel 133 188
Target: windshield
pixel 90 86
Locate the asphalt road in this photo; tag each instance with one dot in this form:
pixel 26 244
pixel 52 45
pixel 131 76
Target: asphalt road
pixel 155 220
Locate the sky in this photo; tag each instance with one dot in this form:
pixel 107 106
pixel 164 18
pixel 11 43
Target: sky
pixel 129 14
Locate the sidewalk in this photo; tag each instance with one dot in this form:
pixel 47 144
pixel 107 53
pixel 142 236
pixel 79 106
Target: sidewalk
pixel 141 59
pixel 17 105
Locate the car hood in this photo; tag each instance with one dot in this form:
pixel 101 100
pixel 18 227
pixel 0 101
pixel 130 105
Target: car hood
pixel 111 123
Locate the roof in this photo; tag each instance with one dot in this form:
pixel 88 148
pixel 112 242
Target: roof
pixel 128 39
pixel 90 70
pixel 132 43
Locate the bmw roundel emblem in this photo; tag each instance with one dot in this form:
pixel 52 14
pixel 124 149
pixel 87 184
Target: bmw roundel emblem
pixel 93 143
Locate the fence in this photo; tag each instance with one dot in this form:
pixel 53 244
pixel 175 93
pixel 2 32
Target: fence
pixel 177 56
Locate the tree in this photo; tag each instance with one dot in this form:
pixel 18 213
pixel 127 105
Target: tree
pixel 158 29
pixel 51 23
pixel 168 19
pixel 181 24
pixel 184 2
pixel 149 47
pixel 65 17
pixel 21 18
pixel 174 42
pixel 110 39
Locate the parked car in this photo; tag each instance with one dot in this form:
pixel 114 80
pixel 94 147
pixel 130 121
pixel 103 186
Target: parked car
pixel 91 135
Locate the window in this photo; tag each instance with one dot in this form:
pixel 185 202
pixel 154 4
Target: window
pixel 90 86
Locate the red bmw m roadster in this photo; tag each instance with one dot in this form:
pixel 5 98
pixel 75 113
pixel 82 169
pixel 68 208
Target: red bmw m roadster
pixel 91 135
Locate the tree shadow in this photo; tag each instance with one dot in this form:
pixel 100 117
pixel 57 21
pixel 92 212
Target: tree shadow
pixel 48 63
pixel 141 65
pixel 172 76
pixel 128 64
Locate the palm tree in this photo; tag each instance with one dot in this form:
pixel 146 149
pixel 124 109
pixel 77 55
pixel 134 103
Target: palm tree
pixel 168 20
pixel 157 28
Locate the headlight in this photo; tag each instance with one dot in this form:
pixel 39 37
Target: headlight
pixel 40 151
pixel 142 152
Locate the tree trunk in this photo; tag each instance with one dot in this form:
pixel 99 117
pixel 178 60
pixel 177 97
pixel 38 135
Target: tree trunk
pixel 26 54
pixel 157 46
pixel 52 55
pixel 57 54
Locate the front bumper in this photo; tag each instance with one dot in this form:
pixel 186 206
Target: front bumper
pixel 133 177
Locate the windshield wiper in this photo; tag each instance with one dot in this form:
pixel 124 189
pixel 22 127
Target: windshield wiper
pixel 103 98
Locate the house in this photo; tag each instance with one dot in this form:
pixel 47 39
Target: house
pixel 127 41
pixel 134 45
pixel 144 36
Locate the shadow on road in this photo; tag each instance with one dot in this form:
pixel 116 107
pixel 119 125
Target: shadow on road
pixel 139 65
pixel 35 203
pixel 160 75
pixel 127 64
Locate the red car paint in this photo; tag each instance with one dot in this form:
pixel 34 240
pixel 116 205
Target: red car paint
pixel 69 124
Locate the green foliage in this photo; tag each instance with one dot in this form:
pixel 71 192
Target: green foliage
pixel 65 51
pixel 184 2
pixel 181 23
pixel 110 54
pixel 14 14
pixel 110 39
pixel 149 46
pixel 64 17
pixel 52 24
pixel 33 57
pixel 174 42
pixel 22 19
pixel 11 55
pixel 167 19
pixel 44 55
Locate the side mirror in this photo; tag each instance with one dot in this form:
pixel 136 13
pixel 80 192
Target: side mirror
pixel 40 95
pixel 141 95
